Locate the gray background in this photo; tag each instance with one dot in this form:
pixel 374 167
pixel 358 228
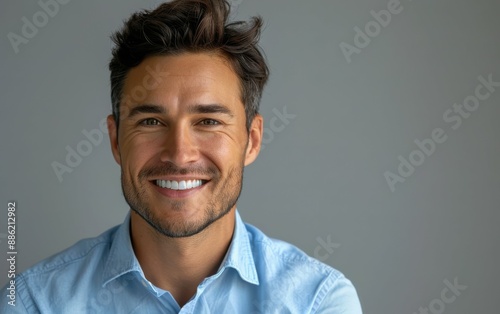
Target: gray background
pixel 319 179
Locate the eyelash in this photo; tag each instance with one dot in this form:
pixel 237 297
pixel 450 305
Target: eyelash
pixel 214 122
pixel 145 122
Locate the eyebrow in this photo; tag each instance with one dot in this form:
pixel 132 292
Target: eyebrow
pixel 210 108
pixel 146 108
pixel 194 109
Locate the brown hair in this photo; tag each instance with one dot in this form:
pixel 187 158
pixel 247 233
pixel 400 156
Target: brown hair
pixel 191 26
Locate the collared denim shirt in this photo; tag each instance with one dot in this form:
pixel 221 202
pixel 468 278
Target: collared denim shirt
pixel 258 275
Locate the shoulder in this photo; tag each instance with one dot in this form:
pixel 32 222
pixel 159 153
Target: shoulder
pixel 285 269
pixel 62 273
pixel 78 255
pixel 286 256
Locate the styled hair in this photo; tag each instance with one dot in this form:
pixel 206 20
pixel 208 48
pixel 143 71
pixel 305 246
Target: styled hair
pixel 183 26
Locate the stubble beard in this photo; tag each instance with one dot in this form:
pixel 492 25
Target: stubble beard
pixel 222 200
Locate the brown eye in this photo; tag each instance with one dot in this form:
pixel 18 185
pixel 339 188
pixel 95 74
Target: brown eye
pixel 209 122
pixel 150 121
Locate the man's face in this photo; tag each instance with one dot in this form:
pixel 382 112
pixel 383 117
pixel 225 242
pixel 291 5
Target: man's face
pixel 182 141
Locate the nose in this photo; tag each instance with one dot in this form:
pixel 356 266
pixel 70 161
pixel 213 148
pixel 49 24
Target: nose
pixel 179 146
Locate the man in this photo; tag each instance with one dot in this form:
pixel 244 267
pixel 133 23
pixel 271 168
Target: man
pixel 186 87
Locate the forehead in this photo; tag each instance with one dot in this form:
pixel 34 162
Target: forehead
pixel 176 79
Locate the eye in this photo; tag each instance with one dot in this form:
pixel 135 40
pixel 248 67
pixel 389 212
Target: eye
pixel 209 122
pixel 150 121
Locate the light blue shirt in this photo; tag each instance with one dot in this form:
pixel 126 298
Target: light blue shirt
pixel 258 275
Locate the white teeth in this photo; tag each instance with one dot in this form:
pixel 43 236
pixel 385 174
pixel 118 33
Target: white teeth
pixel 182 185
pixel 179 185
pixel 175 185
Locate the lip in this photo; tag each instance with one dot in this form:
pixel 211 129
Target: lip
pixel 178 193
pixel 179 178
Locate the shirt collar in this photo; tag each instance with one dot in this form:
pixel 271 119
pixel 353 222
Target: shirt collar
pixel 122 259
pixel 239 255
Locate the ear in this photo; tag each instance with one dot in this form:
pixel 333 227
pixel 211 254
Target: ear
pixel 113 138
pixel 254 139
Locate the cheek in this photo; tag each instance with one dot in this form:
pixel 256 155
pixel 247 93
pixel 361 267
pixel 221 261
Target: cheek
pixel 137 150
pixel 223 151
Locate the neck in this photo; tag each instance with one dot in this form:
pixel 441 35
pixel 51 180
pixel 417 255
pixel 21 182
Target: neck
pixel 179 265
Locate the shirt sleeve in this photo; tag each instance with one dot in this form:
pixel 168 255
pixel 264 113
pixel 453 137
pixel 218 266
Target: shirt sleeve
pixel 341 298
pixel 16 303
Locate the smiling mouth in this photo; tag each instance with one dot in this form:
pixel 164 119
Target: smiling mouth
pixel 179 185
